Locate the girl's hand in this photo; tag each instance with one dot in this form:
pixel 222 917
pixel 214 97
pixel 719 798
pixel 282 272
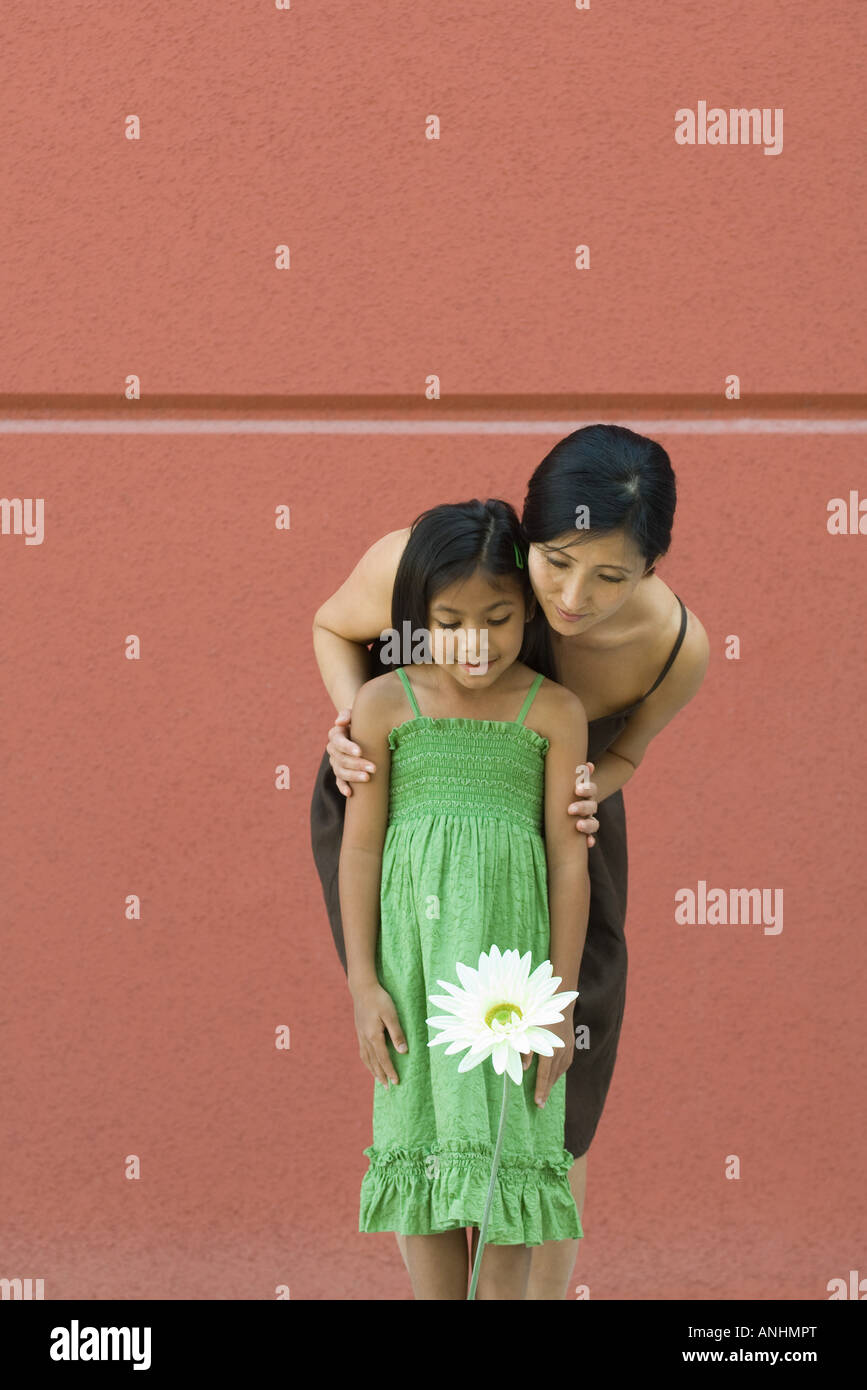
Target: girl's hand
pixel 347 764
pixel 550 1069
pixel 587 806
pixel 374 1013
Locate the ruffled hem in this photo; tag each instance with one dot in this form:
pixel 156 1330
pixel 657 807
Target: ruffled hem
pixel 444 1187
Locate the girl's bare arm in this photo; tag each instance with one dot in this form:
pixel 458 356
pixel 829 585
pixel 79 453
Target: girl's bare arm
pixel 359 883
pixel 360 868
pixel 568 878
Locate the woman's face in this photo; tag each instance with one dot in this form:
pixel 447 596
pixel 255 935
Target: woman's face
pixel 581 581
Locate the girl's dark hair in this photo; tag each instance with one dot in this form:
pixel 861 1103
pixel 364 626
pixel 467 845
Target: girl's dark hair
pixel 452 541
pixel 624 479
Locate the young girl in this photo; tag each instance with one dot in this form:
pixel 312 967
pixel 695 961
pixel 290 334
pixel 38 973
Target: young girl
pixel 463 841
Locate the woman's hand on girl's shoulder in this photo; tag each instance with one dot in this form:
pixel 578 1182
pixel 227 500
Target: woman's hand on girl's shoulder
pixel 375 703
pixel 347 761
pixel 588 804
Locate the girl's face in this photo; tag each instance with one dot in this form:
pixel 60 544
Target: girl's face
pixel 486 615
pixel 581 582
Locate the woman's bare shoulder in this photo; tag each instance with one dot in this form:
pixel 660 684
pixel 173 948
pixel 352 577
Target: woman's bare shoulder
pixel 361 607
pixel 378 565
pixel 692 660
pixel 693 654
pixel 663 621
pixel 695 637
pixel 383 556
pixel 683 678
pixel 394 542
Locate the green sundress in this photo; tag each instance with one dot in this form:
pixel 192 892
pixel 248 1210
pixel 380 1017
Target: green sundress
pixel 463 868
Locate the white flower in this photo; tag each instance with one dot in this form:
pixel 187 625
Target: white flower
pixel 500 1010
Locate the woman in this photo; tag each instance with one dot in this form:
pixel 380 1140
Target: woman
pixel 597 518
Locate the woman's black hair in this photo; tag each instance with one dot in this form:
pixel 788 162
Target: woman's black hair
pixel 623 479
pixel 452 541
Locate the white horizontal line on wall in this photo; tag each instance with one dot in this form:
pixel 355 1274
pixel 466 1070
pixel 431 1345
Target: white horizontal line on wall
pixel 719 425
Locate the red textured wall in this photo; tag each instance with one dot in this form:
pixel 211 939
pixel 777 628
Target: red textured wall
pixel 156 776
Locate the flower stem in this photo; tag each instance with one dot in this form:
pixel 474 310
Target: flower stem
pixel 484 1228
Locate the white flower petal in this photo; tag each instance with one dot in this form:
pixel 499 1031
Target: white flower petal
pixel 542 1041
pixel 446 1002
pixel 467 977
pixel 452 989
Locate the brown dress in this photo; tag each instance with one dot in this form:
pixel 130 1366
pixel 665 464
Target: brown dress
pixel 602 978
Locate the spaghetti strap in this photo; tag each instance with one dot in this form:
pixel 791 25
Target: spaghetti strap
pixel 409 690
pixel 674 651
pixel 531 694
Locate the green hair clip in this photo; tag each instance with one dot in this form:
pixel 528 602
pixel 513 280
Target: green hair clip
pixel 519 558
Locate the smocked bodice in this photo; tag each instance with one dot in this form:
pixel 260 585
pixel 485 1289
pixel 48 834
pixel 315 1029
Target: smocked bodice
pixel 467 767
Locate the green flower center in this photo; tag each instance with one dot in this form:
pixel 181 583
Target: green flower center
pixel 502 1013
